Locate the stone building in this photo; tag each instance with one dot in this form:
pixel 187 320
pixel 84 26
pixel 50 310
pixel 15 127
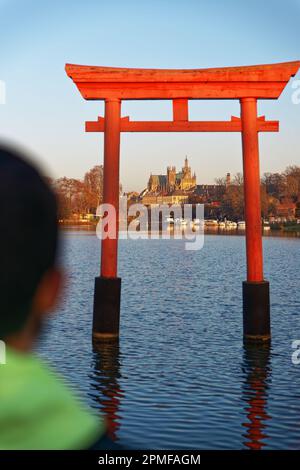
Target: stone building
pixel 173 181
pixel 177 197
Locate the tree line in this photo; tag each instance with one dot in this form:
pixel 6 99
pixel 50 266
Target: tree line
pixel 276 188
pixel 77 197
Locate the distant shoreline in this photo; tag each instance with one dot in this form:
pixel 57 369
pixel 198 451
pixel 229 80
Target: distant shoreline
pixel 290 231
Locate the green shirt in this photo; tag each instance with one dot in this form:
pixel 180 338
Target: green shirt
pixel 38 411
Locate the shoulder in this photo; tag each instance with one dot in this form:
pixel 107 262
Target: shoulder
pixel 47 408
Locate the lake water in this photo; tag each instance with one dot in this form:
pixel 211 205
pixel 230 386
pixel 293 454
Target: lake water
pixel 181 377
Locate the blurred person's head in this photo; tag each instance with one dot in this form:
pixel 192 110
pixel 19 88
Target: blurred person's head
pixel 29 278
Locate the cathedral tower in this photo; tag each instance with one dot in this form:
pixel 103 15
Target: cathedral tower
pixel 171 178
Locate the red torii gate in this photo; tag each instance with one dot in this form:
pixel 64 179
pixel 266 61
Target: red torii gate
pixel 247 84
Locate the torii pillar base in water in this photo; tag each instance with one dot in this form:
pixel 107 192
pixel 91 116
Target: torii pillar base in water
pixel 106 314
pixel 256 311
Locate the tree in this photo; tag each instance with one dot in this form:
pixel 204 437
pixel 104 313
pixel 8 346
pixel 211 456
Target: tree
pixel 268 203
pixel 64 209
pixel 297 213
pixel 67 190
pixel 93 187
pixel 220 187
pixel 292 174
pixel 232 202
pixel 275 184
pixel 238 180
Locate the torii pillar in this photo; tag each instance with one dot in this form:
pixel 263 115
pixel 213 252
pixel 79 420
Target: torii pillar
pixel 256 296
pixel 107 293
pixel 246 84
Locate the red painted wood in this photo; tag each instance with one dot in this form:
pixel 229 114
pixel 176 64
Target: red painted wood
pixel 259 81
pixel 265 72
pixel 166 91
pixel 244 83
pixel 182 126
pixel 252 190
pixel 180 110
pixel 109 250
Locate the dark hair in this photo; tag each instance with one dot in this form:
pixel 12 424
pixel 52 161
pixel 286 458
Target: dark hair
pixel 28 237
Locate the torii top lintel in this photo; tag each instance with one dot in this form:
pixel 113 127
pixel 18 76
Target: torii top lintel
pixel 255 81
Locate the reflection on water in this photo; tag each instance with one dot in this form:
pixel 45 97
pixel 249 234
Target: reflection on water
pixel 181 377
pixel 257 377
pixel 256 372
pixel 105 387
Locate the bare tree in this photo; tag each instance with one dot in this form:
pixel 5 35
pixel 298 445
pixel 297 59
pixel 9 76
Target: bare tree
pixel 93 185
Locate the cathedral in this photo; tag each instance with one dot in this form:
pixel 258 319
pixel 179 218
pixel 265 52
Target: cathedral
pixel 173 181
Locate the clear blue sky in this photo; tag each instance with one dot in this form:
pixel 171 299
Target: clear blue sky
pixel 45 112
